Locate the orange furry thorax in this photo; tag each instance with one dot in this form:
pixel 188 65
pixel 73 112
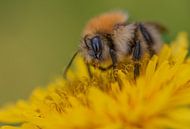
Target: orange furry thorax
pixel 105 23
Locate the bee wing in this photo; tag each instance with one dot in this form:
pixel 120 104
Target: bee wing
pixel 161 28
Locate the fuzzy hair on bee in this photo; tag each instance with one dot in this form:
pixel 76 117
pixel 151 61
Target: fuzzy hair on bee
pixel 110 38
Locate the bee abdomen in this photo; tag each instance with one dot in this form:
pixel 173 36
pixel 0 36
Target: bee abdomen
pixel 147 36
pixel 151 38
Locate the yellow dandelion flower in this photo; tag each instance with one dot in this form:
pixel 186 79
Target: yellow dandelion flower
pixel 158 99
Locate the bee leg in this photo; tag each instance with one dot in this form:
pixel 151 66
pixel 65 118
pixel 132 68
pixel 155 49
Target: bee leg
pixel 113 57
pixel 100 68
pixel 105 69
pixel 89 70
pixel 136 58
pixel 114 62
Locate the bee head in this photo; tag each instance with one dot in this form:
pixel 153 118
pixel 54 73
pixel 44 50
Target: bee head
pixel 95 43
pixel 94 49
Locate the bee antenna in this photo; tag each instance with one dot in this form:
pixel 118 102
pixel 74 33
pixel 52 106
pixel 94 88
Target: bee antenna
pixel 69 64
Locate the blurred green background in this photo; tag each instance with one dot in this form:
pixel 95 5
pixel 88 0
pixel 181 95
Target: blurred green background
pixel 38 37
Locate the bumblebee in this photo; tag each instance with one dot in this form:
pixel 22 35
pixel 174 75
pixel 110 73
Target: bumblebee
pixel 109 38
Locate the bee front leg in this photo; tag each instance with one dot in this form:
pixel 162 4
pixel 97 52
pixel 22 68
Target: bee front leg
pixel 114 62
pixel 113 57
pixel 105 69
pixel 136 58
pixel 89 70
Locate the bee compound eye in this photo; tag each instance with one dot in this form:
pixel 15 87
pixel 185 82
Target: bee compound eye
pixel 96 44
